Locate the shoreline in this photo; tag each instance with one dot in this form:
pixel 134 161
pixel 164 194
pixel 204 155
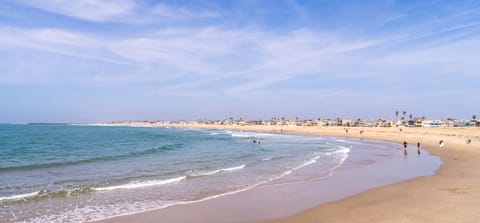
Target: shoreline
pixel 450 195
pixel 428 137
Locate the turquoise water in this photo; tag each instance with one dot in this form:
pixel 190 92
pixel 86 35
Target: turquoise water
pixel 67 173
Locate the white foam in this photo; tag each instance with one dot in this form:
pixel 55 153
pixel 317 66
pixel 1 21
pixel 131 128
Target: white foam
pixel 341 140
pixel 241 135
pixel 207 173
pixel 148 183
pixel 245 134
pixel 288 172
pixel 234 168
pixel 19 196
pixel 342 150
pixel 138 208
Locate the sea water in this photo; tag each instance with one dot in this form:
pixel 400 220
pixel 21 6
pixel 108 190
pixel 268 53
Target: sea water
pixel 69 173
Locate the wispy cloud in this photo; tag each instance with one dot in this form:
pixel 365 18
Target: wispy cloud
pixel 249 55
pixel 92 10
pixel 120 11
pixel 163 10
pixel 57 41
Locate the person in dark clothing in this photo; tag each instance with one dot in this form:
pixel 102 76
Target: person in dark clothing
pixel 405 147
pixel 418 148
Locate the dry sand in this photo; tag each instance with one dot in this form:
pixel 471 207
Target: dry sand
pixel 451 195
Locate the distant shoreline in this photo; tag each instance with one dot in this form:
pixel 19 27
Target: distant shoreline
pixel 47 123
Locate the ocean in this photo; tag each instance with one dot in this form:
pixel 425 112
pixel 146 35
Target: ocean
pixel 74 173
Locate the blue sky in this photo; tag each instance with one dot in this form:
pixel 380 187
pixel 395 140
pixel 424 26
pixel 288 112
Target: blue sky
pixel 101 60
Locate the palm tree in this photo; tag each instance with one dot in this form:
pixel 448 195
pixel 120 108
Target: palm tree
pixel 404 113
pixel 474 117
pixel 396 115
pixel 410 116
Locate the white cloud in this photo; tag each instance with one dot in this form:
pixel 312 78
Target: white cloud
pixel 165 11
pixel 241 61
pixel 57 41
pixel 92 10
pixel 245 59
pixel 123 11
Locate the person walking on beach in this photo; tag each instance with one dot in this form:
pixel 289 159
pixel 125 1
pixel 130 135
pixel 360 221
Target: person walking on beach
pixel 405 147
pixel 418 148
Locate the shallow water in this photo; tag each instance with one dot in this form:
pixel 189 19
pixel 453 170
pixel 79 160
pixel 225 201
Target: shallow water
pixel 77 173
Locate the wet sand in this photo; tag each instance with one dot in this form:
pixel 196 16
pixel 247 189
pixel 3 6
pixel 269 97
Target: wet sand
pixel 452 194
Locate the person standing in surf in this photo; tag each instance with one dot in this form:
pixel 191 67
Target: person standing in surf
pixel 405 147
pixel 418 148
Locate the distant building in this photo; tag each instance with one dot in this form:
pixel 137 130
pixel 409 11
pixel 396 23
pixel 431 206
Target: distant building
pixel 430 123
pixel 437 123
pixel 347 122
pixel 474 123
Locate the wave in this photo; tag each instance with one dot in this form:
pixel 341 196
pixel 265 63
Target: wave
pixel 242 135
pixel 96 159
pixel 46 194
pixel 42 195
pixel 341 140
pixel 233 168
pixel 213 172
pixel 148 183
pixel 247 134
pixel 306 163
pixel 341 150
pixel 272 158
pixel 19 196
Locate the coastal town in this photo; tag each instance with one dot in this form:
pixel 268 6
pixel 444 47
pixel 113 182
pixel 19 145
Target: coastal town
pixel 400 122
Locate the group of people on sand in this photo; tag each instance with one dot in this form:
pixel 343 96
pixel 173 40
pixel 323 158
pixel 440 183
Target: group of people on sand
pixel 441 144
pixel 361 131
pixel 405 148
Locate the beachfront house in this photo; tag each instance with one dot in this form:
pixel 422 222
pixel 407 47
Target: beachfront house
pixel 437 123
pixel 411 123
pixel 474 123
pixel 368 123
pixel 347 122
pixel 320 122
pixel 359 123
pixel 333 122
pixel 430 123
pixel 446 123
pixel 459 123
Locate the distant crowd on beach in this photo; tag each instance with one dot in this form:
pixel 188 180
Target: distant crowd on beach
pixel 441 144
